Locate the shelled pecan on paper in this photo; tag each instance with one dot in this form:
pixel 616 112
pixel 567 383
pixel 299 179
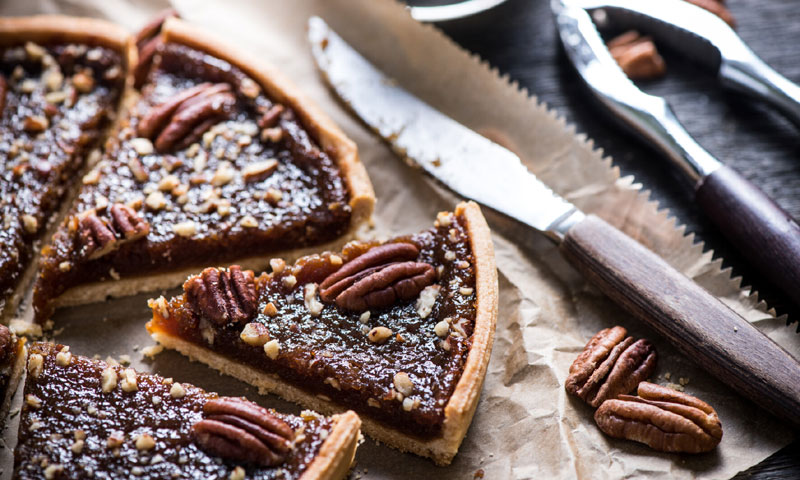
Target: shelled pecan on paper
pixel 378 278
pixel 237 429
pixel 664 419
pixel 99 236
pixel 611 364
pixel 223 295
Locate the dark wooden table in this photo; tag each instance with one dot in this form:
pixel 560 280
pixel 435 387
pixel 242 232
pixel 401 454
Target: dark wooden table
pixel 519 38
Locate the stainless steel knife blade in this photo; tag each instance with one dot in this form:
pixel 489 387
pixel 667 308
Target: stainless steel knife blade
pixel 468 163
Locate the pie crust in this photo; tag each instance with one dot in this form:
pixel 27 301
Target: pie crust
pixel 329 137
pixel 44 29
pixel 462 403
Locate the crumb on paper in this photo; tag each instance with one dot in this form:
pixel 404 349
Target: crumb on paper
pixel 25 328
pixel 152 350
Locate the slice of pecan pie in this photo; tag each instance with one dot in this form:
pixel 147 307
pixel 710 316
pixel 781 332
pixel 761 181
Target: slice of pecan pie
pixel 12 362
pixel 83 418
pixel 219 159
pixel 60 82
pixel 400 332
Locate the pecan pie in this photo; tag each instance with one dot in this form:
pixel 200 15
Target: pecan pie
pixel 400 332
pixel 61 79
pixel 217 159
pixel 84 418
pixel 12 362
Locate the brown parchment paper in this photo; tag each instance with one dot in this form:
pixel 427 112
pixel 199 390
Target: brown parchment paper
pixel 525 426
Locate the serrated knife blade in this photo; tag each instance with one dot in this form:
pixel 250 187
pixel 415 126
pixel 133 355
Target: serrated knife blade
pixel 699 324
pixel 470 164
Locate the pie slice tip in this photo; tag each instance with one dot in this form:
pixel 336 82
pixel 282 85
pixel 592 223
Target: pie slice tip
pixel 433 420
pixel 13 353
pixel 55 107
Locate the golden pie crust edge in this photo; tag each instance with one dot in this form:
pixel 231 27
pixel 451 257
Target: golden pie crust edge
pixel 461 406
pixel 61 28
pixel 335 457
pixel 329 136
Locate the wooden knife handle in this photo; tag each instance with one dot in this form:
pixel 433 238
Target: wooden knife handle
pixel 763 232
pixel 692 319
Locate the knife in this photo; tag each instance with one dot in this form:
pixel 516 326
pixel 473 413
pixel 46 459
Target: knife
pixel 640 281
pixel 760 229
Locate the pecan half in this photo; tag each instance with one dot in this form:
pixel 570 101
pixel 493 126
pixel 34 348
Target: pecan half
pixel 664 419
pixel 610 365
pixel 223 295
pixel 147 42
pixel 378 278
pixel 183 118
pixel 99 236
pixel 237 429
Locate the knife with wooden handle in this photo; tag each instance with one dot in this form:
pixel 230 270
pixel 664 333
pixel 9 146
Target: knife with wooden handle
pixel 760 229
pixel 637 279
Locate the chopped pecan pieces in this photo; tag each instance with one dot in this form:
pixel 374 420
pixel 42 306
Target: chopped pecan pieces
pixel 270 118
pixel 664 419
pixel 378 278
pixel 223 295
pixel 183 118
pixel 237 429
pixel 610 365
pixel 637 56
pixel 99 236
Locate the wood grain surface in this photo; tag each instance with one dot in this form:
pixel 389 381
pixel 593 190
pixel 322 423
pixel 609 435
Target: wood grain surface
pixel 519 38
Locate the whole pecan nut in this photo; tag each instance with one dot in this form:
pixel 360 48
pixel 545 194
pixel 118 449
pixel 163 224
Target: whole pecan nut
pixel 99 236
pixel 664 419
pixel 610 365
pixel 378 278
pixel 237 429
pixel 222 295
pixel 183 118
